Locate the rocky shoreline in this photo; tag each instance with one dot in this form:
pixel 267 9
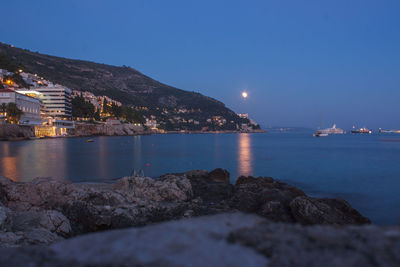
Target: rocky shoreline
pixel 13 132
pixel 47 211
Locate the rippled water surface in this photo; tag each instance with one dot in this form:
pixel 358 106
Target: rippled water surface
pixel 363 169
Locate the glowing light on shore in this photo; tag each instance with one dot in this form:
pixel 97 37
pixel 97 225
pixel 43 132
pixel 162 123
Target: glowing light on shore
pixel 244 95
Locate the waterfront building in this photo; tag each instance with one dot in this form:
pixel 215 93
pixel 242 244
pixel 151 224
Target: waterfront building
pixel 57 109
pixel 29 105
pixel 243 115
pixel 53 127
pixel 56 100
pixel 152 124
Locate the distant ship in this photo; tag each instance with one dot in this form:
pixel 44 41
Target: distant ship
pixel 327 131
pixel 361 130
pixel 388 131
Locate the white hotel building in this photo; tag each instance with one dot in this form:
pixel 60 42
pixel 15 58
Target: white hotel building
pixel 28 105
pixel 56 109
pixel 56 100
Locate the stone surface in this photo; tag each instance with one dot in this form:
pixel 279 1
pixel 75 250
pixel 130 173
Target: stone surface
pixel 211 187
pixel 91 129
pixel 233 239
pixel 307 210
pixel 64 209
pixel 219 175
pixel 317 245
pixel 5 218
pixel 168 188
pixel 51 220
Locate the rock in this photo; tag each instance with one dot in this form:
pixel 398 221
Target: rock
pixel 317 245
pixel 265 197
pixel 307 210
pixel 251 180
pixel 191 242
pixel 168 188
pixel 188 213
pixel 210 187
pixel 275 211
pixel 51 220
pixel 38 236
pixel 9 239
pixel 44 193
pixel 64 209
pixel 219 175
pixel 232 239
pixel 5 218
pixel 193 174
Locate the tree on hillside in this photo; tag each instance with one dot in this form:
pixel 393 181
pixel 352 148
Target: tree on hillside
pixel 8 63
pixel 131 115
pixel 82 108
pixel 96 115
pixel 13 113
pixel 3 108
pixel 116 110
pixel 106 107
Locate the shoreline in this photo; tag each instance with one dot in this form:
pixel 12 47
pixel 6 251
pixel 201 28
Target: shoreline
pixel 14 139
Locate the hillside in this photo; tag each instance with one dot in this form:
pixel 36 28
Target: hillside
pixel 124 84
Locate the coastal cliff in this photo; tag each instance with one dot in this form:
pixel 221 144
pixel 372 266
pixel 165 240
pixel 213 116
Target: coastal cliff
pixel 13 131
pixel 88 129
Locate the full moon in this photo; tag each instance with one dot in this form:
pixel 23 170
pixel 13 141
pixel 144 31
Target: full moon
pixel 244 94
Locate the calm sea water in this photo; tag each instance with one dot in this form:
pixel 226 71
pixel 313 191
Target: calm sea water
pixel 363 169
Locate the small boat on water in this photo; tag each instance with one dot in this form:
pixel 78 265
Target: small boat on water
pixel 328 131
pixel 319 134
pixel 361 131
pixel 89 141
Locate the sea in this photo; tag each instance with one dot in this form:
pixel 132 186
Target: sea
pixel 362 169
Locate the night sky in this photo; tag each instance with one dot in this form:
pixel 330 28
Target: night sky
pixel 302 62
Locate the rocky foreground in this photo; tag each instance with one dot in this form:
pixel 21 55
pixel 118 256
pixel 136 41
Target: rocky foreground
pixel 233 239
pixel 47 211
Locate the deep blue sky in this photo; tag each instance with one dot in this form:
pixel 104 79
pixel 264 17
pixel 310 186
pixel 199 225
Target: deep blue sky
pixel 299 60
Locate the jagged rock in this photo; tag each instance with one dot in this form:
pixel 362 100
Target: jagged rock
pixel 197 174
pixel 233 239
pixel 296 245
pixel 90 129
pixel 265 196
pixel 5 218
pixel 168 188
pixel 307 210
pixel 43 193
pixel 51 220
pixel 64 209
pixel 261 181
pixel 38 236
pixel 219 175
pixel 210 187
pixel 275 211
pixel 191 242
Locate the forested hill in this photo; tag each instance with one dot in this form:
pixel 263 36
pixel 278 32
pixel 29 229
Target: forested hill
pixel 124 84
